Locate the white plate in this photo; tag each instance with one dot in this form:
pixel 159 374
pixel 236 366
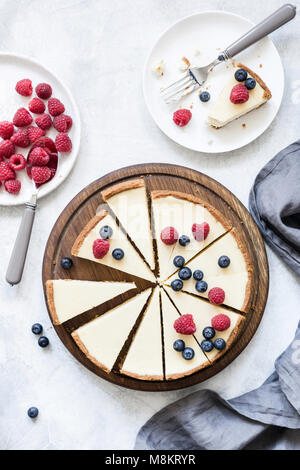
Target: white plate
pixel 13 68
pixel 210 32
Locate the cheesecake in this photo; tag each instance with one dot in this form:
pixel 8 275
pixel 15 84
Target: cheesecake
pixel 224 110
pixel 234 276
pixel 102 339
pixel 116 238
pixel 128 200
pixel 182 211
pixel 67 298
pixel 144 359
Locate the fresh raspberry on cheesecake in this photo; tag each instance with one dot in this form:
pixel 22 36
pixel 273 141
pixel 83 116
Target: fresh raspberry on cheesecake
pixel 169 235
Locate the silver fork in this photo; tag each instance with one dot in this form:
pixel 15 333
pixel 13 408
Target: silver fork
pixel 195 77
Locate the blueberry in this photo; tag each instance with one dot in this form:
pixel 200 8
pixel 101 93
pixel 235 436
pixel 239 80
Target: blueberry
pixel 177 284
pixel 198 275
pixel 220 344
pixel 178 261
pixel 179 345
pixel 37 329
pixel 43 341
pixel 66 263
pixel 188 354
pixel 33 412
pixel 105 232
pixel 118 253
pixel 201 286
pixel 240 75
pixel 184 240
pixel 204 96
pixel 250 83
pixel 185 273
pixel 207 345
pixel 221 58
pixel 208 332
pixel 224 261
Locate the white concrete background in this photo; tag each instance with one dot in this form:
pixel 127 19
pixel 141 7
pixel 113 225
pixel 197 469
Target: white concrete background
pixel 98 47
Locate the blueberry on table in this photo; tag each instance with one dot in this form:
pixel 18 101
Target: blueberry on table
pixel 188 354
pixel 250 83
pixel 185 273
pixel 37 328
pixel 208 332
pixel 240 75
pixel 201 286
pixel 184 240
pixel 105 232
pixel 178 261
pixel 220 344
pixel 118 253
pixel 66 263
pixel 198 275
pixel 207 345
pixel 33 412
pixel 224 261
pixel 177 284
pixel 43 341
pixel 204 96
pixel 179 345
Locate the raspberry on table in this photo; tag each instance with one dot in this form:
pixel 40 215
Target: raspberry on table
pixel 36 106
pixel 44 121
pixel 43 90
pixel 100 248
pixel 6 129
pixel 24 87
pixel 55 107
pixel 62 123
pixel 13 186
pixel 200 231
pixel 17 162
pixel 169 235
pixel 35 133
pixel 182 117
pixel 63 142
pixel 185 325
pixel 22 118
pixel 7 149
pixel 216 295
pixel 239 94
pixel 6 173
pixel 220 322
pixel 40 174
pixel 38 157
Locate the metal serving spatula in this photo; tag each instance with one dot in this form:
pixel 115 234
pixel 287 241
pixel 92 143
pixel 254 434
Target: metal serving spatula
pixel 195 77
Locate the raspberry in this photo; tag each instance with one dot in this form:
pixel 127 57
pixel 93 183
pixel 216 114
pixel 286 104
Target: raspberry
pixel 6 129
pixel 6 173
pixel 185 325
pixel 40 174
pixel 46 143
pixel 216 295
pixel 63 142
pixel 200 231
pixel 17 162
pixel 44 121
pixel 12 186
pixel 43 90
pixel 100 248
pixel 38 157
pixel 169 235
pixel 62 123
pixel 7 149
pixel 55 107
pixel 220 322
pixel 35 133
pixel 182 116
pixel 22 118
pixel 36 106
pixel 239 94
pixel 24 87
pixel 20 138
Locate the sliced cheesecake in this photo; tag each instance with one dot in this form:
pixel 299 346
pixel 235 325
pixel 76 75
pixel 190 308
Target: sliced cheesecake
pixel 101 340
pixel 67 298
pixel 131 262
pixel 224 111
pixel 235 279
pixel 175 365
pixel 181 211
pixel 129 202
pixel 144 359
pixel 203 312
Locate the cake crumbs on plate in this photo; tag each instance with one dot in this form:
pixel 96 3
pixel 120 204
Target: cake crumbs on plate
pixel 260 66
pixel 243 125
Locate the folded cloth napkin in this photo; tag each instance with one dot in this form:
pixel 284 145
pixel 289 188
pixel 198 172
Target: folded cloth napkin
pixel 265 418
pixel 274 203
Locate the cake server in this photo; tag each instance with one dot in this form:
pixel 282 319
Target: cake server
pixel 195 77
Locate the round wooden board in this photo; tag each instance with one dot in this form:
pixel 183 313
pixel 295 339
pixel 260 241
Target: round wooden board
pixel 157 176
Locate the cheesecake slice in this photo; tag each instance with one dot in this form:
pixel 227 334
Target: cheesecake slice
pixel 181 211
pixel 129 202
pixel 235 279
pixel 67 298
pixel 203 312
pixel 101 340
pixel 144 359
pixel 175 365
pixel 131 263
pixel 224 111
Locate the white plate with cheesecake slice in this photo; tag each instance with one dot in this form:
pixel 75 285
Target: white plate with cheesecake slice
pixel 200 38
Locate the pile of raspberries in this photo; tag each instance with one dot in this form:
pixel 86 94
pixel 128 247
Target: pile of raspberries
pixel 41 161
